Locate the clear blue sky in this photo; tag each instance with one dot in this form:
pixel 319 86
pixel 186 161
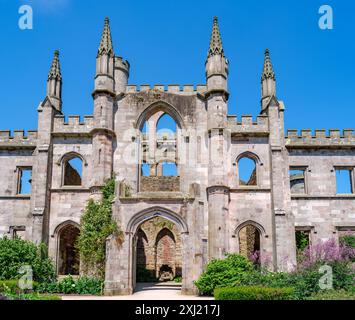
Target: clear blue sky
pixel 166 43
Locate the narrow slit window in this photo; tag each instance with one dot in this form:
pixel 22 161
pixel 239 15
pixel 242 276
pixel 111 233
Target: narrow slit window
pixel 24 185
pixel 343 181
pixel 297 181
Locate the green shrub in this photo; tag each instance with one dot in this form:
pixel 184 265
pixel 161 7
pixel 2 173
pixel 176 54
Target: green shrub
pixel 70 285
pixel 178 279
pixel 333 295
pixel 348 240
pixel 223 273
pixel 86 285
pixel 253 293
pixel 16 253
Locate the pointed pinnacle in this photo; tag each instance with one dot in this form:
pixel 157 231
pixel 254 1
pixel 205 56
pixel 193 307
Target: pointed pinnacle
pixel 268 71
pixel 106 40
pixel 216 41
pixel 54 72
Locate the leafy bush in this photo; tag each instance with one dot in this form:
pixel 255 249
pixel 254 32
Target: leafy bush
pixel 32 296
pixel 333 295
pixel 253 293
pixel 348 240
pixel 96 225
pixel 223 273
pixel 178 279
pixel 69 285
pixel 15 253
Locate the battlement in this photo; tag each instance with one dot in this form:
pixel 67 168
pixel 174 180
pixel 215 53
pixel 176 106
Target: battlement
pixel 171 88
pixel 18 139
pixel 74 125
pixel 248 126
pixel 320 138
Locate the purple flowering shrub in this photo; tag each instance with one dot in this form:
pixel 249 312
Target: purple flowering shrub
pixel 323 252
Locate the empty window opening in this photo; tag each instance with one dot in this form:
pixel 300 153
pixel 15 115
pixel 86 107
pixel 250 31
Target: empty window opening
pixel 145 169
pixel 247 172
pixel 169 169
pixel 302 239
pixel 166 127
pixel 73 172
pixel 297 181
pixel 249 243
pixel 343 181
pixel 24 182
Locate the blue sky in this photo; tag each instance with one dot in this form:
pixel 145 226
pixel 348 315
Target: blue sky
pixel 166 43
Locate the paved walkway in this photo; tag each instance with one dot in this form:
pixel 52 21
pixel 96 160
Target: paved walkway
pixel 145 291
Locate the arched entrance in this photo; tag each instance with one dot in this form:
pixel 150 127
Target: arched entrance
pixel 158 251
pixel 158 240
pixel 249 241
pixel 68 261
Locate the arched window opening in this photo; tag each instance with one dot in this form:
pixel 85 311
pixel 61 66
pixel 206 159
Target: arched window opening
pixel 249 243
pixel 166 127
pixel 73 169
pixel 68 255
pixel 247 172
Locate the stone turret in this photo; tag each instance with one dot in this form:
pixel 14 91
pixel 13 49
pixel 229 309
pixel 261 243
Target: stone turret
pixel 104 80
pixel 268 82
pixel 54 83
pixel 104 97
pixel 219 140
pixel 216 64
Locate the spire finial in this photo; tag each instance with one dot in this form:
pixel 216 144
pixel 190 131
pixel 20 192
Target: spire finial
pixel 106 40
pixel 216 41
pixel 54 72
pixel 268 71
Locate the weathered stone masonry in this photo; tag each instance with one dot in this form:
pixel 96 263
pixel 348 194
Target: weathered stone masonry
pixel 212 210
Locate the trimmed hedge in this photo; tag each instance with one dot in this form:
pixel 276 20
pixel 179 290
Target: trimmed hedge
pixel 253 293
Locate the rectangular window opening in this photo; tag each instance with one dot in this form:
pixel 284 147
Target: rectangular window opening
pixel 297 180
pixel 302 239
pixel 24 181
pixel 343 181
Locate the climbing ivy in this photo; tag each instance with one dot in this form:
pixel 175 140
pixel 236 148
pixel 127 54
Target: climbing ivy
pixel 96 225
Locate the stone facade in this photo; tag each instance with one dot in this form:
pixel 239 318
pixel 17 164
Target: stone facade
pixel 205 200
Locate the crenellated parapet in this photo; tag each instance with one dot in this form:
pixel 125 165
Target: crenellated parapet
pixel 335 138
pixel 246 125
pixel 171 88
pixel 73 126
pixel 18 139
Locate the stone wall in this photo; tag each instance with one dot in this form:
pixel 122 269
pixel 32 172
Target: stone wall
pixel 156 183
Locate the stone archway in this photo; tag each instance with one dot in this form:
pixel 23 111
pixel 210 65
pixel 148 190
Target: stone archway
pixel 249 235
pixel 68 258
pixel 161 241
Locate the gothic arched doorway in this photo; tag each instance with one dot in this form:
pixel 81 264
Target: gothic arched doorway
pixel 68 255
pixel 158 251
pixel 249 243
